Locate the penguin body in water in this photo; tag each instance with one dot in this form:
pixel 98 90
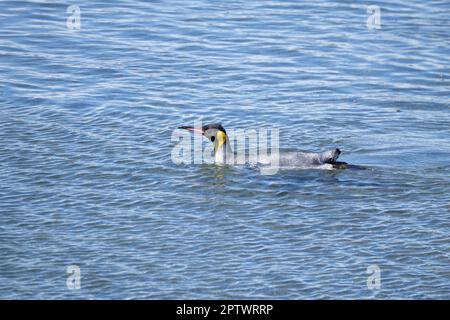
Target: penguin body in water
pixel 223 153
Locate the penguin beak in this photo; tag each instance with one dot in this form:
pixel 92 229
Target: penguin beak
pixel 193 129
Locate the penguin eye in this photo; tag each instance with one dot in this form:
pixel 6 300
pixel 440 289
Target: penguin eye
pixel 213 139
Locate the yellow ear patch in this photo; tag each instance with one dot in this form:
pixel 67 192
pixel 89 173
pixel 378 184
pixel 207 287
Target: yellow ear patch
pixel 221 138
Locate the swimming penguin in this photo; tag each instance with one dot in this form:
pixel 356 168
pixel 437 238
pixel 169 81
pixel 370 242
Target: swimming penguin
pixel 223 154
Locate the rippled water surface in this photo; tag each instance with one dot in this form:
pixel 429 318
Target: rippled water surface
pixel 86 119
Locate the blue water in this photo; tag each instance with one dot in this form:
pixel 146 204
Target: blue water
pixel 86 177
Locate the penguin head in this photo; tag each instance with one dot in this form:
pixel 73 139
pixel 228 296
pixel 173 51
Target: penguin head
pixel 214 132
